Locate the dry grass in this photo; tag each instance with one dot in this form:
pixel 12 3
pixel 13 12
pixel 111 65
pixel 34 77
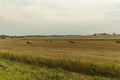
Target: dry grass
pixel 100 50
pixel 91 57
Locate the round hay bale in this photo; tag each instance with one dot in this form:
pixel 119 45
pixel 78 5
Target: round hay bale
pixel 71 41
pixel 29 42
pixel 117 41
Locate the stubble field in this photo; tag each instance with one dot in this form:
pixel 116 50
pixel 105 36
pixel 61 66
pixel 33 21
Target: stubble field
pixel 91 57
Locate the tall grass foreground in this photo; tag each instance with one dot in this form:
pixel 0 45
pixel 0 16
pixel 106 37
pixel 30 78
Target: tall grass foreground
pixel 80 66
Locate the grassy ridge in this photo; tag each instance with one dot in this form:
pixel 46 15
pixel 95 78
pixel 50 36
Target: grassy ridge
pixel 22 71
pixel 87 67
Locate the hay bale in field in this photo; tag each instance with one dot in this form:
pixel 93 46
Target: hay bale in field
pixel 50 40
pixel 29 42
pixel 117 41
pixel 71 41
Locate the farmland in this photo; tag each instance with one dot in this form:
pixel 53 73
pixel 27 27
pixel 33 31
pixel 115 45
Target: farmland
pixel 86 59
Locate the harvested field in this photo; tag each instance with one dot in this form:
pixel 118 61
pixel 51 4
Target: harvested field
pixel 93 57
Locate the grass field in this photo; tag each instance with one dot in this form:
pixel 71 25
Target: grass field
pixel 21 71
pixel 83 60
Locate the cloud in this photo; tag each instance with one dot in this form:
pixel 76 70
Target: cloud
pixel 56 13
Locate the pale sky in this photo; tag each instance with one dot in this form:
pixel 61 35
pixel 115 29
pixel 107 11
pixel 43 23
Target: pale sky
pixel 40 17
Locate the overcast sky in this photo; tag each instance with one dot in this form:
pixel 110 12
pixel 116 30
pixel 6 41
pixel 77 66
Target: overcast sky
pixel 23 17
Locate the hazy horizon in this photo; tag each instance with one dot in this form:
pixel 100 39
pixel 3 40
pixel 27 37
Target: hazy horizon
pixel 59 17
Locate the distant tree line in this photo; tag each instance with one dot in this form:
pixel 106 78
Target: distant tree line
pixel 7 36
pixel 98 34
pixel 3 36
